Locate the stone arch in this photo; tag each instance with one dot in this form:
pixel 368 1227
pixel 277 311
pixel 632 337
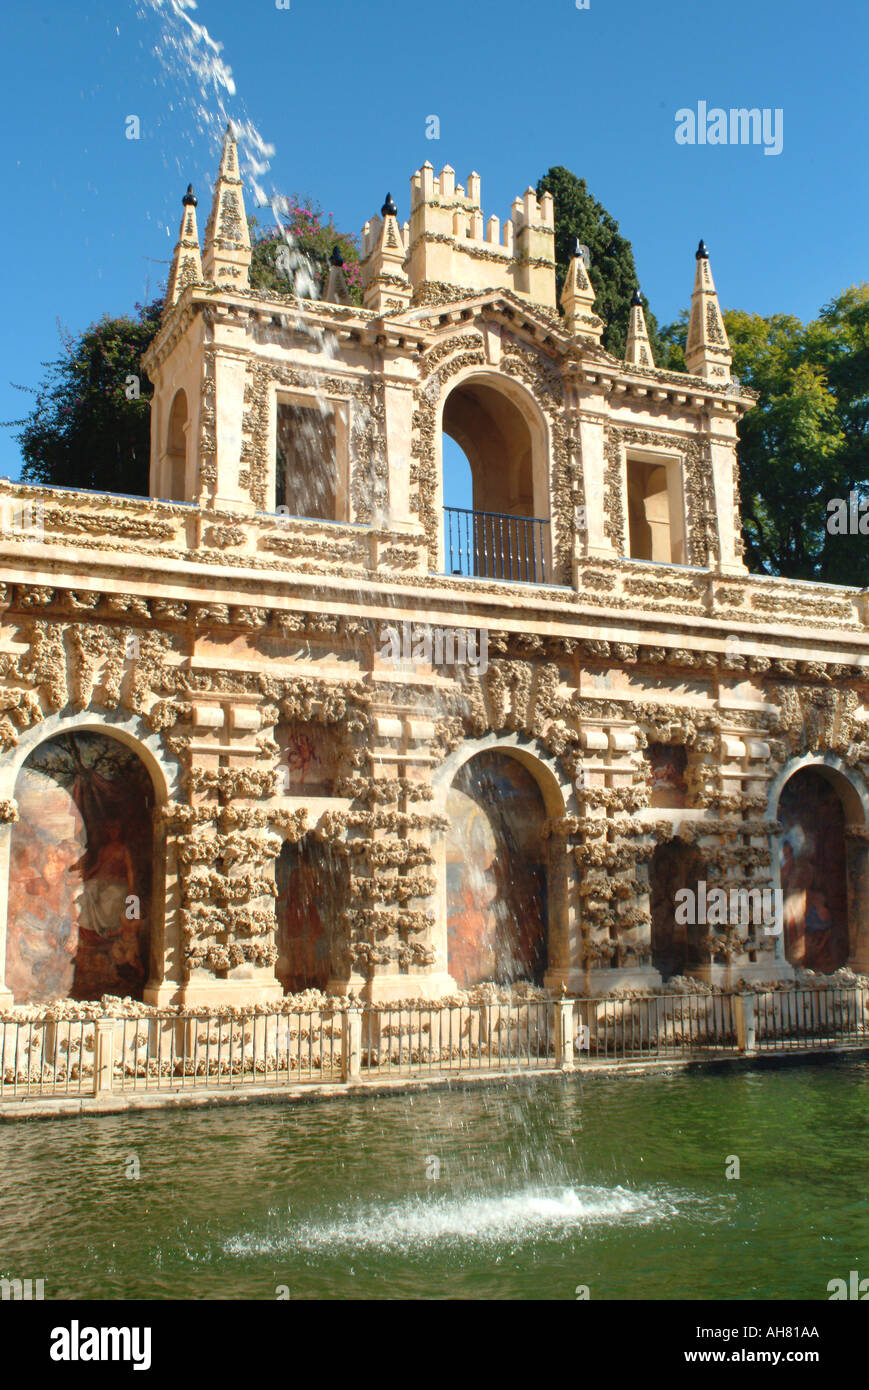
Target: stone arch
pixel 506 789
pixel 506 437
pixel 175 458
pixel 163 970
pixel 820 863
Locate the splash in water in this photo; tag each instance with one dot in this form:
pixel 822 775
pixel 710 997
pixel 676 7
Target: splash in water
pixel 418 1224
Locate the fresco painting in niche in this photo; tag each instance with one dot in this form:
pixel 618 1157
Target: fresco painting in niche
pixel 496 878
pixel 668 786
pixel 311 882
pixel 306 759
pixel 676 947
pixel 813 873
pixel 80 850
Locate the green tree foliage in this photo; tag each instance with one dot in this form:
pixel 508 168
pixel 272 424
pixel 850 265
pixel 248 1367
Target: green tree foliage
pixel 90 426
pixel 613 271
pixel 806 441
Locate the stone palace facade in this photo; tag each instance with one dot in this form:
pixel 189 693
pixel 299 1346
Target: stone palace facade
pixel 295 722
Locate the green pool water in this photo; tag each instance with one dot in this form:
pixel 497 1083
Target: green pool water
pixel 616 1183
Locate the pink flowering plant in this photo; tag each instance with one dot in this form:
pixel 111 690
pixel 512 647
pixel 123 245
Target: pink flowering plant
pixel 312 233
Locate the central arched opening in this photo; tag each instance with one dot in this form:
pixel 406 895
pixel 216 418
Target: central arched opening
pixel 496 875
pixel 813 867
pixel 500 530
pixel 79 903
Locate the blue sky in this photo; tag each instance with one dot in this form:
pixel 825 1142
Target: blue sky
pixel 343 90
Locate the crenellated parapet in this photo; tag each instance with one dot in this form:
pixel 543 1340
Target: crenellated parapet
pixel 449 242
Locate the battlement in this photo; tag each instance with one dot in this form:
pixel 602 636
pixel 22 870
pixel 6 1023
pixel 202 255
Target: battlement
pixel 449 242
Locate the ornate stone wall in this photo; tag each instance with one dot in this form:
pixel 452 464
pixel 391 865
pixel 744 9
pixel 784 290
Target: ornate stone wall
pixel 216 627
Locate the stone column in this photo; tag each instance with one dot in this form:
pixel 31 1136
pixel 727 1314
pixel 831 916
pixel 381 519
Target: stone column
pixel 104 1055
pixel 8 814
pixel 857 852
pixel 590 429
pixel 351 1042
pixel 563 1033
pixel 6 841
pixel 398 425
pixel 229 380
pixel 722 452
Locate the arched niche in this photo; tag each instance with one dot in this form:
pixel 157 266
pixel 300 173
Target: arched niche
pixel 504 436
pixel 503 899
pixel 162 961
pixel 80 873
pixel 821 867
pixel 175 459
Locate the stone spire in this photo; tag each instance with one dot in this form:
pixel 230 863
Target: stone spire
pixel 186 266
pixel 385 284
pixel 707 350
pixel 577 298
pixel 638 349
pixel 336 289
pixel 226 258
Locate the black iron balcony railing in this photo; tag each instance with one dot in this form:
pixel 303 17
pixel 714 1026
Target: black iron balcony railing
pixel 494 545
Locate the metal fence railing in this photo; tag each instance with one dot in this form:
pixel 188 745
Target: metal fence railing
pixel 264 1049
pixel 790 1020
pixel 349 1042
pixel 460 1038
pixel 495 545
pixel 47 1057
pixel 665 1025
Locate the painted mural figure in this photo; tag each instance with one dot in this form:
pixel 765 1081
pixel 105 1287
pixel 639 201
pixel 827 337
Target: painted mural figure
pixel 80 851
pixel 310 893
pixel 110 937
pixel 666 765
pixel 813 874
pixel 496 882
pixel 106 885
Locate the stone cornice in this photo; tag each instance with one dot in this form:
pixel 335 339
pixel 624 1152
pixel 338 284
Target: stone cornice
pixel 234 598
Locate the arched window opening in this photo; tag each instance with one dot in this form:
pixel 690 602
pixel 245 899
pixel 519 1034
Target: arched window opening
pixel 814 873
pixel 312 892
pixel 496 882
pixel 79 906
pixel 503 531
pixel 677 945
pixel 176 450
pixel 306 469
